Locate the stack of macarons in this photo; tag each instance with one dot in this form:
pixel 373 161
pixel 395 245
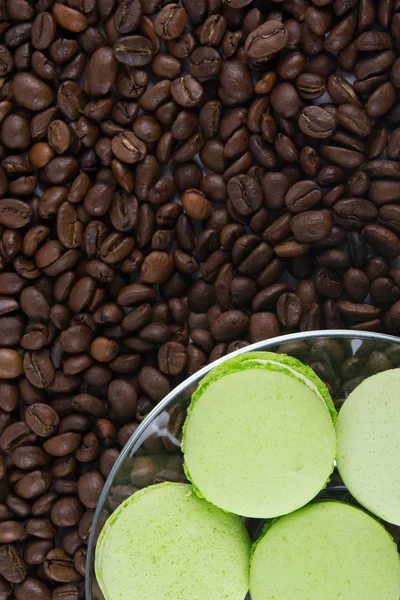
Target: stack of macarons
pixel 260 440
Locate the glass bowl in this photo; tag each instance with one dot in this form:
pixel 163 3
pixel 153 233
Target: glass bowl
pixel 342 359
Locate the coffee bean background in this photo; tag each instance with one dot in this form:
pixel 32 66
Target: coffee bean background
pixel 177 180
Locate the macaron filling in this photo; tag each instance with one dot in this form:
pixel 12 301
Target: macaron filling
pixel 368 444
pixel 259 439
pixel 327 550
pixel 297 374
pixel 165 542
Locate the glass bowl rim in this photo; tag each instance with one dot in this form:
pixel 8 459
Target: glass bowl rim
pixel 164 403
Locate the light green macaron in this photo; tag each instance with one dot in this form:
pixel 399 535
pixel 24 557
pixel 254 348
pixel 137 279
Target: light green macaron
pixel 325 551
pixel 259 439
pixel 368 444
pixel 166 543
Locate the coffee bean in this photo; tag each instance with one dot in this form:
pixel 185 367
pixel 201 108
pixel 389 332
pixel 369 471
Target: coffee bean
pixel 134 50
pixel 383 240
pixel 266 41
pixel 187 91
pixel 14 213
pixel 153 383
pixel 33 484
pixel 34 588
pixel 12 566
pixel 89 488
pixel 32 92
pixel 353 213
pixel 302 196
pixel 170 21
pixel 10 364
pixel 63 444
pixel 66 512
pixel 128 148
pixel 42 419
pixel 316 122
pixel 311 226
pixel 59 566
pixel 205 62
pixel 127 16
pixel 245 193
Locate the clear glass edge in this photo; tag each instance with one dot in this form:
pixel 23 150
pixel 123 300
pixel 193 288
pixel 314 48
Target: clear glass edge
pixel 161 406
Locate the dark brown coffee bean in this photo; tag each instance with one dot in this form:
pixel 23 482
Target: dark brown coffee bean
pixel 33 484
pixel 43 31
pixel 289 310
pixel 229 326
pixel 381 100
pixel 10 531
pixel 32 92
pixel 59 566
pixel 316 122
pixel 170 22
pixel 128 148
pixel 134 50
pixel 205 62
pixel 311 226
pixel 63 444
pixel 245 194
pixel 187 91
pixel 34 588
pixel 66 512
pixel 383 240
pixel 38 369
pixel 263 326
pixel 127 16
pixel 12 566
pixel 14 213
pixel 266 41
pixel 303 196
pixel 42 419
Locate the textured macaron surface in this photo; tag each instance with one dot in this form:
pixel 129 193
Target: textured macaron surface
pixel 166 543
pixel 325 551
pixel 259 439
pixel 368 444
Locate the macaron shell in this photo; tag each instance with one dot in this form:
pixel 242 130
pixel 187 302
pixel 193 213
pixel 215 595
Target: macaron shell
pixel 325 551
pixel 165 543
pixel 282 447
pixel 368 444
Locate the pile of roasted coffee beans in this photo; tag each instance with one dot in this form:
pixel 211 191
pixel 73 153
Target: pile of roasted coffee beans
pixel 176 181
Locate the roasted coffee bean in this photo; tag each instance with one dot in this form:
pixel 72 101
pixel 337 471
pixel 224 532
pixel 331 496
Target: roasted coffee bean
pixel 316 122
pixel 134 50
pixel 12 566
pixel 128 148
pixel 266 41
pixel 33 484
pixel 170 22
pixel 383 240
pixel 303 196
pixel 311 226
pixel 127 16
pixel 14 213
pixel 59 566
pixel 42 419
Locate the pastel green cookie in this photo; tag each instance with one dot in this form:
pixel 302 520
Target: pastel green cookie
pixel 368 444
pixel 165 543
pixel 259 439
pixel 325 551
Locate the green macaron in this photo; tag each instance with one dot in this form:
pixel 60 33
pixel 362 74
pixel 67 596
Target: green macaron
pixel 368 444
pixel 259 439
pixel 325 551
pixel 166 543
